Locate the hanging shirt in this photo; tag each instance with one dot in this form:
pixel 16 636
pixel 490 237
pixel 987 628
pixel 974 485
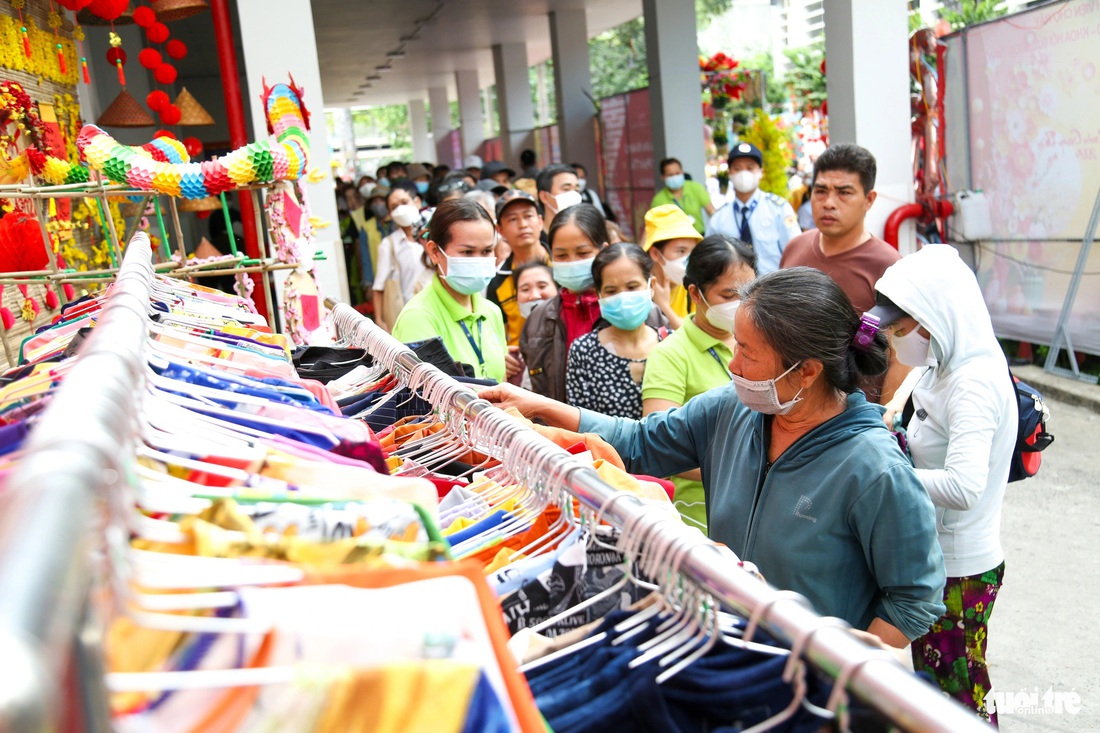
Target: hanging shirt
pixel 772 223
pixel 475 337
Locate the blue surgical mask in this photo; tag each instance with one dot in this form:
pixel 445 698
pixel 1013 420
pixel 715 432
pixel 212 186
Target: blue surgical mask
pixel 675 183
pixel 383 181
pixel 422 187
pixel 574 276
pixel 627 310
pixel 469 275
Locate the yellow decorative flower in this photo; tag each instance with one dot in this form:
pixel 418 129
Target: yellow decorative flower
pixel 27 313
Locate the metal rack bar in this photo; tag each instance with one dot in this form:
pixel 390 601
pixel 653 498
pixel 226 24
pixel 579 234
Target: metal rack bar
pixel 881 682
pixel 47 511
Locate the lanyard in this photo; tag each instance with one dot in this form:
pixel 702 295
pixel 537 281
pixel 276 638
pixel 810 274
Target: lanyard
pixel 474 344
pixel 720 362
pixel 746 210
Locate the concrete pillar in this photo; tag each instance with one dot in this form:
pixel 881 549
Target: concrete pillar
pixel 868 84
pixel 268 29
pixel 423 149
pixel 675 108
pixel 573 84
pixel 469 109
pixel 345 132
pixel 517 118
pixel 441 124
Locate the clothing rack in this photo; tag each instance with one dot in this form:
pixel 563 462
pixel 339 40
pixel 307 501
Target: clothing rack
pixel 51 509
pixel 872 675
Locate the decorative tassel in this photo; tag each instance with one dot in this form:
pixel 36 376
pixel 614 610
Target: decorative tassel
pixel 121 73
pixel 70 291
pixel 26 41
pixel 7 317
pixel 84 70
pixel 51 300
pixel 61 60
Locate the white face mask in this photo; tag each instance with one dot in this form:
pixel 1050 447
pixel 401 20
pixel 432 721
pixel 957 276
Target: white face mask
pixel 526 309
pixel 365 190
pixel 746 181
pixel 762 395
pixel 581 183
pixel 405 215
pixel 722 316
pixel 675 270
pixel 566 199
pixel 912 349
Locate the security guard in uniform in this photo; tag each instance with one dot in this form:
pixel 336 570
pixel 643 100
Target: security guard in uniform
pixel 761 219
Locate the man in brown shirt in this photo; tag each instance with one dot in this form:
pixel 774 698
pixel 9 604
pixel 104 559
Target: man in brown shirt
pixel 841 195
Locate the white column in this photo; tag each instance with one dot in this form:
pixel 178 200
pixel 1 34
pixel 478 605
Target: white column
pixel 469 109
pixel 675 108
pixel 267 30
pixel 573 84
pixel 517 118
pixel 423 149
pixel 441 124
pixel 345 131
pixel 868 84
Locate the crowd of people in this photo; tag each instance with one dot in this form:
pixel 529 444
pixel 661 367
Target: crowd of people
pixel 822 405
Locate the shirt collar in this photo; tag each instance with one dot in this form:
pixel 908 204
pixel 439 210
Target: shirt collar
pixel 454 311
pixel 737 205
pixel 699 339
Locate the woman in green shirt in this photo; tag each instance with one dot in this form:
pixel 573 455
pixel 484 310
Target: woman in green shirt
pixel 460 248
pixel 695 358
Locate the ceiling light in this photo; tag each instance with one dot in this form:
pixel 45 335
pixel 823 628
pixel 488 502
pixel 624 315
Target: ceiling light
pixel 414 36
pixel 383 69
pixel 396 54
pixel 374 77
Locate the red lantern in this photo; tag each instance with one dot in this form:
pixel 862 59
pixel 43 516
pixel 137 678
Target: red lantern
pixel 150 58
pixel 171 115
pixel 116 55
pixel 193 146
pixel 108 9
pixel 165 74
pixel 176 48
pixel 157 33
pixel 144 17
pixel 74 5
pixel 164 133
pixel 157 100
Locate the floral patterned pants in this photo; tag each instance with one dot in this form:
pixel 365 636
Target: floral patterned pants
pixel 953 651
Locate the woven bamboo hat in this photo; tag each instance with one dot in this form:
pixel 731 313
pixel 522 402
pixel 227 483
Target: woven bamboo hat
pixel 169 10
pixel 191 112
pixel 125 111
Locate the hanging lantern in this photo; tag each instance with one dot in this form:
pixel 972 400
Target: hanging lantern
pixel 176 49
pixel 150 58
pixel 74 5
pixel 170 10
pixel 125 111
pixel 164 133
pixel 191 112
pixel 117 57
pixel 193 146
pixel 170 115
pixel 157 100
pixel 144 17
pixel 165 74
pixel 109 10
pixel 157 33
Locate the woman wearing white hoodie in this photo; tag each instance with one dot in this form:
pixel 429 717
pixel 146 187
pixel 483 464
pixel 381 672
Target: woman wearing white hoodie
pixel 961 435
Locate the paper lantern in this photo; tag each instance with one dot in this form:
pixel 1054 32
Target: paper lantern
pixel 157 33
pixel 157 100
pixel 164 133
pixel 165 74
pixel 176 48
pixel 144 16
pixel 108 9
pixel 74 5
pixel 21 247
pixel 150 58
pixel 193 146
pixel 116 55
pixel 170 115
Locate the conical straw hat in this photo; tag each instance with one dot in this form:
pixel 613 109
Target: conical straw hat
pixel 125 111
pixel 208 203
pixel 191 112
pixel 169 10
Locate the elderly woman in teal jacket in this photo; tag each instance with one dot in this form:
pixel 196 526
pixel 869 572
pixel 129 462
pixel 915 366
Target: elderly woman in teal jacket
pixel 801 476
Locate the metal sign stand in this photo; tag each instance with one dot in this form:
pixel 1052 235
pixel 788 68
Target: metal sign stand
pixel 1061 332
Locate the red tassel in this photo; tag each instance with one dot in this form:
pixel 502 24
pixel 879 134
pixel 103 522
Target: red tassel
pixel 26 41
pixel 61 60
pixel 70 291
pixel 7 318
pixel 121 73
pixel 84 70
pixel 51 300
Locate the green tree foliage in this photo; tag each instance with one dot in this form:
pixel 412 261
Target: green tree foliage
pixel 804 78
pixel 775 144
pixel 970 12
pixel 389 125
pixel 775 91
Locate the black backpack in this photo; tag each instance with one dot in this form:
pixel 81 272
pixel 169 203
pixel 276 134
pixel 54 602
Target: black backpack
pixel 1032 437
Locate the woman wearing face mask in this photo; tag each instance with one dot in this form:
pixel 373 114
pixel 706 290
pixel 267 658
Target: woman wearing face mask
pixel 460 246
pixel 961 437
pixel 606 366
pixel 400 256
pixel 669 239
pixel 694 359
pixel 801 476
pixel 534 284
pixel 576 236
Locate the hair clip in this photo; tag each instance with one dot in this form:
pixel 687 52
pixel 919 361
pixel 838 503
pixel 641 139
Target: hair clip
pixel 868 328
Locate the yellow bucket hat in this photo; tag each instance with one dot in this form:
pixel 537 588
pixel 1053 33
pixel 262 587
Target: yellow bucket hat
pixel 668 222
